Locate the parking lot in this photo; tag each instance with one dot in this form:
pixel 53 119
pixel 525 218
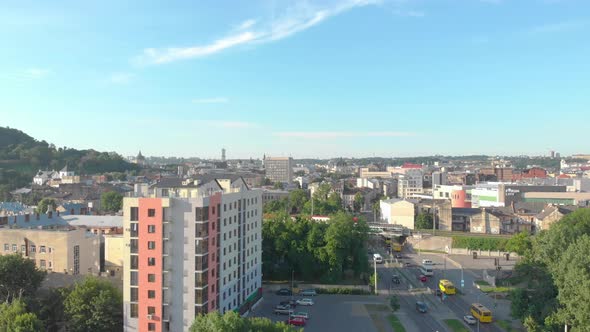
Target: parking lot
pixel 329 313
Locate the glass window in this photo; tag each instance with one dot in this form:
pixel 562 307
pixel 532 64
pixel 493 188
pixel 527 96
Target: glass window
pixel 151 261
pixel 6 247
pixel 151 310
pixel 134 294
pixel 151 212
pixel 134 262
pixel 133 310
pixel 134 278
pixel 151 228
pixel 151 277
pixel 134 214
pixel 151 294
pixel 151 326
pixel 151 245
pixel 42 249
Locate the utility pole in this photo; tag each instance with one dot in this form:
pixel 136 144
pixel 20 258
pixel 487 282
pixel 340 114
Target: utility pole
pixel 375 263
pixel 433 216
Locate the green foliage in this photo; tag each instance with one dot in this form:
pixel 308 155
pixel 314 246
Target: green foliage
pixel 423 221
pixel 48 306
pixel 231 321
pixel 315 251
pixel 358 202
pixel 343 291
pixel 111 201
pixel 19 277
pixel 395 323
pixel 94 305
pixel 479 242
pixel 15 318
pixel 44 205
pixel 557 275
pixel 456 325
pixel 394 303
pixel 21 156
pixel 520 243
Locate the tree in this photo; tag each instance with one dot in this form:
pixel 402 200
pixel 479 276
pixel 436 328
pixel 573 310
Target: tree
pixel 358 202
pixel 48 306
pixel 394 303
pixel 94 305
pixel 44 205
pixel 520 243
pixel 423 221
pixel 15 318
pixel 297 200
pixel 18 277
pixel 231 321
pixel 111 201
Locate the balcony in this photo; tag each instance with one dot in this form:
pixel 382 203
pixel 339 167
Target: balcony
pixel 201 246
pixel 201 262
pixel 201 279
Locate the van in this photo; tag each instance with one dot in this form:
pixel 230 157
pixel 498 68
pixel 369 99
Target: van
pixel 377 258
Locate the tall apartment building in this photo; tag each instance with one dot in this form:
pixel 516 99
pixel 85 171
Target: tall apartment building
pixel 193 247
pixel 279 169
pixel 410 184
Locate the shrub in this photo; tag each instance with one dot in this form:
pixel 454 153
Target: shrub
pixel 342 291
pixel 481 243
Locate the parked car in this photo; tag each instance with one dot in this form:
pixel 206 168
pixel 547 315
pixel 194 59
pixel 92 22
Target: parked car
pixel 297 321
pixel 284 291
pixel 398 256
pixel 421 307
pixel 291 303
pixel 422 278
pixel 305 302
pixel 308 292
pixel 284 311
pixel 395 279
pixel 469 319
pixel 300 314
pixel 282 306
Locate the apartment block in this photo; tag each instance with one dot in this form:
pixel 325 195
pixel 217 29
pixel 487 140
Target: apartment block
pixel 279 169
pixel 410 184
pixel 193 247
pixel 55 249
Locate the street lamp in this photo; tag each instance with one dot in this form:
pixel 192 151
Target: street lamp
pixel 375 264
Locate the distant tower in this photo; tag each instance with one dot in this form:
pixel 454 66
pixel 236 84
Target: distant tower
pixel 552 154
pixel 223 154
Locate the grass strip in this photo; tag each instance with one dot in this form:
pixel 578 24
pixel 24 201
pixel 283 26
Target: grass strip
pixel 396 324
pixel 456 325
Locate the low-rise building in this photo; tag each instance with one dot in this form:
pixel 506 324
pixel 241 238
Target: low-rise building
pixel 58 249
pixel 398 212
pixel 550 214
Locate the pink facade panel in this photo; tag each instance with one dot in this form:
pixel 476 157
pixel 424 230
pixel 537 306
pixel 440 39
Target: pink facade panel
pixel 150 262
pixel 459 199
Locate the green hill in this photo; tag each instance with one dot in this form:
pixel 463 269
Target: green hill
pixel 21 156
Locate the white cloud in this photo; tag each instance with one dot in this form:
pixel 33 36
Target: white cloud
pixel 35 73
pixel 217 100
pixel 298 17
pixel 341 134
pixel 558 27
pixel 409 13
pixel 121 78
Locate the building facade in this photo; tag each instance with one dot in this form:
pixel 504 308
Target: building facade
pixel 59 249
pixel 279 169
pixel 192 254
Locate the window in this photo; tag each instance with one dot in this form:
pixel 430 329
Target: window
pixel 134 294
pixel 23 248
pixel 42 249
pixel 151 294
pixel 133 310
pixel 151 310
pixel 6 247
pixel 151 212
pixel 151 261
pixel 42 263
pixel 134 214
pixel 151 245
pixel 134 277
pixel 134 262
pixel 50 264
pixel 151 326
pixel 151 228
pixel 151 277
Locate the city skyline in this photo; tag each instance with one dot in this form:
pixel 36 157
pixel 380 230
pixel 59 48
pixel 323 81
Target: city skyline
pixel 316 79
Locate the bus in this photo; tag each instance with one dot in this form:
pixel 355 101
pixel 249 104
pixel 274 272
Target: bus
pixel 427 270
pixel 397 247
pixel 377 258
pixel 481 313
pixel 446 287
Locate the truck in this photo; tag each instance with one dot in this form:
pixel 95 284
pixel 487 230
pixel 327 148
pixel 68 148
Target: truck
pixel 397 247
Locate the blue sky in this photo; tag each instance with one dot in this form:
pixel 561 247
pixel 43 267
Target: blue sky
pixel 302 78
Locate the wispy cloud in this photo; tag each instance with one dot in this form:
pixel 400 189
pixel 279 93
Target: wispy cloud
pixel 409 13
pixel 217 100
pixel 230 124
pixel 565 26
pixel 341 134
pixel 121 78
pixel 294 19
pixel 35 73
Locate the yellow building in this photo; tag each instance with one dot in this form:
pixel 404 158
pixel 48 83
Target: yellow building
pixel 61 249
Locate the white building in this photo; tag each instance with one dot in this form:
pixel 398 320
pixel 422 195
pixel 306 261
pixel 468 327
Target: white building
pixel 194 247
pixel 279 169
pixel 398 212
pixel 410 184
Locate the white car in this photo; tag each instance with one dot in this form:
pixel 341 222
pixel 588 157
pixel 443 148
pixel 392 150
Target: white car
pixel 308 292
pixel 469 319
pixel 301 314
pixel 305 302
